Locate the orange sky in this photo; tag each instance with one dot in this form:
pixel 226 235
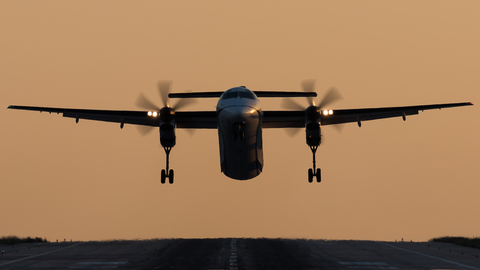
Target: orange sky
pixel 386 180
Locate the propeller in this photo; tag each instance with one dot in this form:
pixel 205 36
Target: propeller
pixel 163 90
pixel 331 96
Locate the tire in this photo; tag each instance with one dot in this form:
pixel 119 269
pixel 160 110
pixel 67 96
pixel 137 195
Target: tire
pixel 319 175
pixel 170 176
pixel 163 177
pixel 310 175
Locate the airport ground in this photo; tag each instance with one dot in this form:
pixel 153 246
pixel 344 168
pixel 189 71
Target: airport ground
pixel 228 253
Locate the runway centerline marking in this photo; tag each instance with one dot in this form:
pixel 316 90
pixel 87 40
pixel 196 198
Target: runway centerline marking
pixel 38 255
pixel 363 263
pixel 430 256
pixel 233 255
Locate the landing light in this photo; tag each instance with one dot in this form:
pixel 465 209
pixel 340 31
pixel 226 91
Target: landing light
pixel 149 113
pixel 154 114
pixel 327 112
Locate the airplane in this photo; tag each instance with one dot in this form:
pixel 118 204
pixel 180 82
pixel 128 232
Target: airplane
pixel 239 120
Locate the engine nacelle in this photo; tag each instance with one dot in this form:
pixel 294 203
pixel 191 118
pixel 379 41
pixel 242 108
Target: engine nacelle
pixel 313 135
pixel 167 134
pixel 312 126
pixel 167 127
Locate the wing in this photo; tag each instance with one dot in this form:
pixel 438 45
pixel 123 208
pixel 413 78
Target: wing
pixel 201 119
pixel 183 119
pixel 296 119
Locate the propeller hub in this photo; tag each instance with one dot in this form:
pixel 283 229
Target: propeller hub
pixel 312 113
pixel 167 114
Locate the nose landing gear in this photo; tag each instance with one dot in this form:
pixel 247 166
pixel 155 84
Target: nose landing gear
pixel 164 174
pixel 315 172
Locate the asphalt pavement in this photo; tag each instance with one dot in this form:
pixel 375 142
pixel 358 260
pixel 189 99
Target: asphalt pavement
pixel 241 253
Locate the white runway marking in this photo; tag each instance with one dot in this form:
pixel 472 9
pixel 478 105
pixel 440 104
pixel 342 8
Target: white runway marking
pixel 233 255
pixel 430 256
pixel 38 255
pixel 363 263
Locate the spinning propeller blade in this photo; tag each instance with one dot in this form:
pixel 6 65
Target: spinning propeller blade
pixel 309 86
pixel 144 103
pixel 291 105
pixel 183 102
pixel 163 91
pixel 291 132
pixel 144 130
pixel 331 96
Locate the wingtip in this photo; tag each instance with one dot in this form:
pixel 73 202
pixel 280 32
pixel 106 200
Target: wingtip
pixel 10 107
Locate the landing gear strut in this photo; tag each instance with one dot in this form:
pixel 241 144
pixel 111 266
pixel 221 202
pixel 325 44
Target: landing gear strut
pixel 315 171
pixel 164 171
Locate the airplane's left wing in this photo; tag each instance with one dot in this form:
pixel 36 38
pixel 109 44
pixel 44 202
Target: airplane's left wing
pixel 296 119
pixel 183 119
pixel 367 114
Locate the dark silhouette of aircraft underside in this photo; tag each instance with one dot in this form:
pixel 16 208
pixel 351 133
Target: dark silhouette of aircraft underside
pixel 239 120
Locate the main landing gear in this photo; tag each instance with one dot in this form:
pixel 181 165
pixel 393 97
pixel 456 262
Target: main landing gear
pixel 164 171
pixel 315 172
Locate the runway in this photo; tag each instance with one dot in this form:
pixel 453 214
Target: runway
pixel 228 253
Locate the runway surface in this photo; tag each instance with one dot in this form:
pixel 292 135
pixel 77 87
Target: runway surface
pixel 239 253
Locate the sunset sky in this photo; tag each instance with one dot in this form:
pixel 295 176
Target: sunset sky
pixel 387 180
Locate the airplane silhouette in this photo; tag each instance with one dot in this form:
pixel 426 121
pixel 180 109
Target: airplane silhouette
pixel 239 120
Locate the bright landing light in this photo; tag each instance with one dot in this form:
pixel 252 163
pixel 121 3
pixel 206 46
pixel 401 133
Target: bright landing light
pixel 327 112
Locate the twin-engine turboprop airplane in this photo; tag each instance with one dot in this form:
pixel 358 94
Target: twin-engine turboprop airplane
pixel 239 120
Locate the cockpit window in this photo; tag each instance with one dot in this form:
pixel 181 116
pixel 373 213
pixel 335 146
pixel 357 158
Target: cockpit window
pixel 240 94
pixel 246 95
pixel 230 94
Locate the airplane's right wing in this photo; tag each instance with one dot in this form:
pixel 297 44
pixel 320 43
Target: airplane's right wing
pixel 201 119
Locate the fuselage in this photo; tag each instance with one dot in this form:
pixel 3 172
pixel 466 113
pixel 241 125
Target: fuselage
pixel 240 133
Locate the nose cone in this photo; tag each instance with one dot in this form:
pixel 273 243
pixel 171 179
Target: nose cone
pixel 238 113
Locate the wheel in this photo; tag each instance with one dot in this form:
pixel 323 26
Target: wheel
pixel 163 177
pixel 310 175
pixel 170 176
pixel 319 175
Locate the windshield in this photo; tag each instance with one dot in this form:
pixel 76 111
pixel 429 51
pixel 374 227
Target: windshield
pixel 230 94
pixel 240 94
pixel 246 94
